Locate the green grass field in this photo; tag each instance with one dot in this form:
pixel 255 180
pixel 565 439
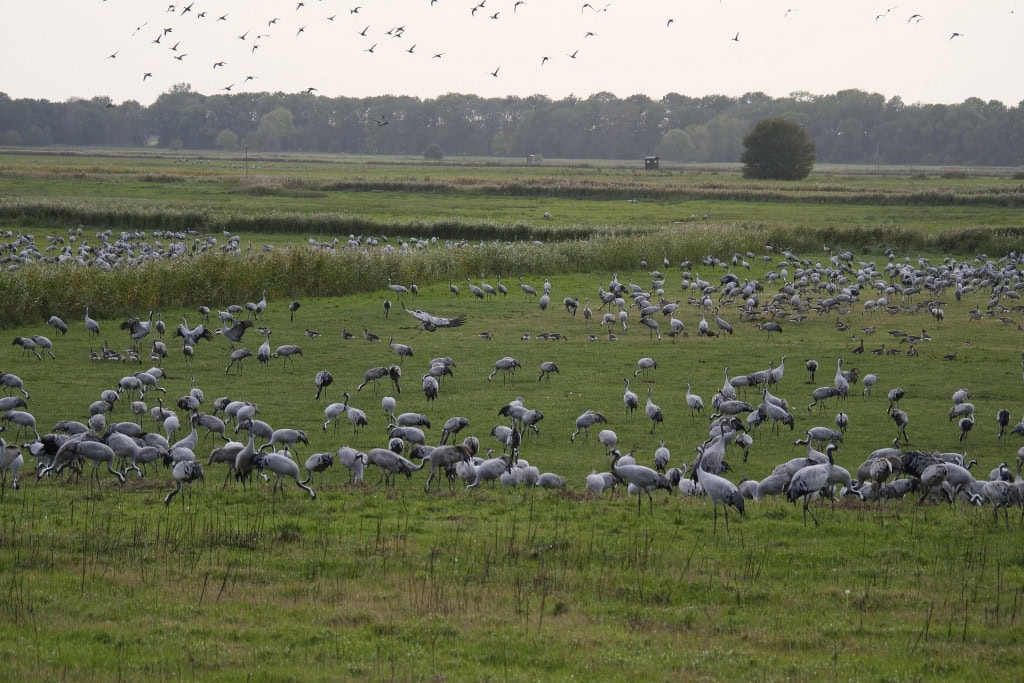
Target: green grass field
pixel 374 582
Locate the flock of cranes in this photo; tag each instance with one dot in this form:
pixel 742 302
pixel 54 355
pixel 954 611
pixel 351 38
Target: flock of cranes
pixel 837 288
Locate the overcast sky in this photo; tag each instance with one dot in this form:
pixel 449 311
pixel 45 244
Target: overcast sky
pixel 58 49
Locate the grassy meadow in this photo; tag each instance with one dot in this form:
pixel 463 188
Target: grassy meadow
pixel 102 581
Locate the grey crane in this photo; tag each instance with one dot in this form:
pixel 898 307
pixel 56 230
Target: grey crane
pixel 27 345
pixel 322 379
pixel 356 417
pixel 11 461
pixel 292 307
pixel 431 323
pixel 56 323
pixel 185 472
pixel 237 356
pixel 662 456
pixel 651 324
pixel 263 352
pixel 506 366
pixel 1003 420
pixel 901 419
pixel 812 367
pixel 235 333
pixel 24 420
pixel 447 456
pixel 287 351
pixel 528 290
pixel 91 326
pixel 474 290
pixel 653 412
pixel 137 328
pixel 1001 494
pixel 403 350
pixel 452 426
pixel 546 369
pixel 810 480
pixel 388 404
pixel 390 464
pixel 629 398
pixel 644 366
pixel 720 490
pixel 965 424
pixel 397 288
pixel 608 439
pixel 869 380
pixel 431 386
pixel 378 373
pixel 695 402
pixel 895 395
pixel 722 324
pixel 643 478
pixel 317 462
pixel 286 437
pixel 283 466
pixel 585 421
pixel 331 414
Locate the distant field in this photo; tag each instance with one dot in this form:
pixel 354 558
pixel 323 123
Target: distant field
pixel 103 581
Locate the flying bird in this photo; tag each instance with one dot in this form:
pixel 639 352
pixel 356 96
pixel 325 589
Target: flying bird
pixel 433 322
pixel 956 35
pixel 495 72
pixel 736 38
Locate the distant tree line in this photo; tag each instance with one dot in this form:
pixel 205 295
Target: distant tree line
pixel 850 126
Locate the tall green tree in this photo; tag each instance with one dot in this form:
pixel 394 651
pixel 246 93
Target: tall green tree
pixel 777 149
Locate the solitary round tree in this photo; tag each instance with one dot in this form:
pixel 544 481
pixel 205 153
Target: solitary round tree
pixel 777 149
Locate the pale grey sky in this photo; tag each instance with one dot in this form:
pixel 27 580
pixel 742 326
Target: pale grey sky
pixel 57 49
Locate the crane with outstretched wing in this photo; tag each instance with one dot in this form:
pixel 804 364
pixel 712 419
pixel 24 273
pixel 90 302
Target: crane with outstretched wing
pixel 433 322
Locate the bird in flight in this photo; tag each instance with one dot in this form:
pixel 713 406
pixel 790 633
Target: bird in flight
pixel 669 23
pixel 242 37
pixel 216 64
pixel 495 72
pixel 363 32
pixel 916 18
pixel 516 6
pixel 273 21
pixel 589 34
pixel 181 56
pixel 310 91
pixel 146 75
pixel 495 15
pixel 370 49
pixel 543 59
pixel 228 87
pixel 438 55
pixel 433 322
pixel 223 17
pixel 736 38
pixel 301 30
pixel 381 122
pixel 573 55
pixel 787 12
pixel 956 35
pixel 411 48
pixel 250 78
pixel 114 55
pixel 354 10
